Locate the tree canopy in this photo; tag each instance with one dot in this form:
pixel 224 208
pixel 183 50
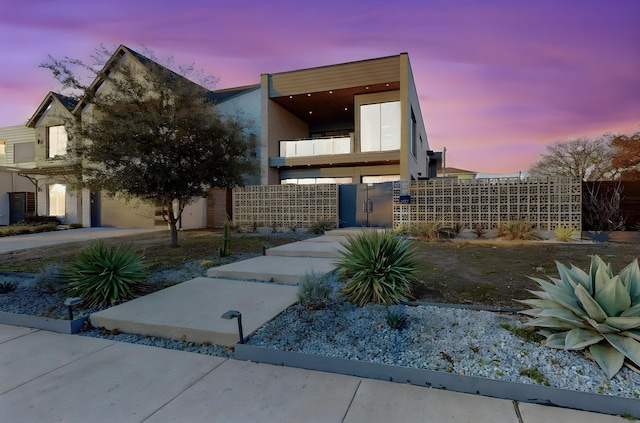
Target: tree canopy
pixel 626 157
pixel 606 157
pixel 586 158
pixel 147 132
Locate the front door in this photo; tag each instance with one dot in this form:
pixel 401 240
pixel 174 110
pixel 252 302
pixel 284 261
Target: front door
pixel 366 205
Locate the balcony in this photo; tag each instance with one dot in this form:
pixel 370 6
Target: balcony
pixel 308 147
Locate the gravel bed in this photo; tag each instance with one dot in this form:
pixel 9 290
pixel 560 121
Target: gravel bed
pixel 465 342
pixel 461 341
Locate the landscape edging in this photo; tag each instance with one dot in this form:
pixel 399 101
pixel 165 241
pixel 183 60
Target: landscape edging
pixel 535 394
pixel 44 323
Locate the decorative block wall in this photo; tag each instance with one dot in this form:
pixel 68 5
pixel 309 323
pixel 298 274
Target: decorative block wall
pixel 287 206
pixel 546 202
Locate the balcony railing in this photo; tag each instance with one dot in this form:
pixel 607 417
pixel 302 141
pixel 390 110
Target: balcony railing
pixel 315 146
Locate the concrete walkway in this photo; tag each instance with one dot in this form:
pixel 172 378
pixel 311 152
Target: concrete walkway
pixel 47 377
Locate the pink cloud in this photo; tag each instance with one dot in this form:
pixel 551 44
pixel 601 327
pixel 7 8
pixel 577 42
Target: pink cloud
pixel 498 80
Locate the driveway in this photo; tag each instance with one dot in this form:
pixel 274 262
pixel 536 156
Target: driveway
pixel 23 242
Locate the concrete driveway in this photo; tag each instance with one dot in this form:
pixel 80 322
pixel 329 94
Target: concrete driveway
pixel 23 242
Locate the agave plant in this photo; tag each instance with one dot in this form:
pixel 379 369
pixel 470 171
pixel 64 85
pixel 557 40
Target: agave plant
pixel 102 275
pixel 594 310
pixel 379 266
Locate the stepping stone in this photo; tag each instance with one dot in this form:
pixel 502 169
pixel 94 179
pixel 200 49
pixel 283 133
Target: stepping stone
pixel 307 249
pixel 273 268
pixel 192 310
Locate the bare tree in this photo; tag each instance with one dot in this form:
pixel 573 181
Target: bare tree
pixel 589 159
pixel 601 206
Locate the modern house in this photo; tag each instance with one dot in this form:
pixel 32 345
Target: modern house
pixel 349 123
pixel 357 122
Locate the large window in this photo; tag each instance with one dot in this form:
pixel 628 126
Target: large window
pixel 56 141
pixel 311 181
pixel 375 179
pixel 380 126
pixel 57 200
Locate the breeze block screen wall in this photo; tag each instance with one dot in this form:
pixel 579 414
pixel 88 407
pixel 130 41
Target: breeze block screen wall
pixel 546 202
pixel 284 206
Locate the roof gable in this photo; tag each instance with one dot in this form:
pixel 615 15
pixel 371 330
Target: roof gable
pixel 68 103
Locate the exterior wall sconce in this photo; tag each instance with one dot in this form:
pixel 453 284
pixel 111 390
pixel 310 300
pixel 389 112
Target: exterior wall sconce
pixel 231 314
pixel 70 302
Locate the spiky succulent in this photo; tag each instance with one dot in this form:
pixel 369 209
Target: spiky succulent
pixel 103 275
pixel 594 310
pixel 379 266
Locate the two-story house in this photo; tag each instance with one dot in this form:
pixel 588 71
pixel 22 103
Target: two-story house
pixel 357 122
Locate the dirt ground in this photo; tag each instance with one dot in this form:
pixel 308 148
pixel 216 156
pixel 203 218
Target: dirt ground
pixel 496 273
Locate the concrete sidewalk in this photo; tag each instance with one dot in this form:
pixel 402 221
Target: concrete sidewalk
pixel 46 377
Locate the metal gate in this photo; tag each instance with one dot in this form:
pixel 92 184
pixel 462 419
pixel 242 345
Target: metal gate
pixel 369 205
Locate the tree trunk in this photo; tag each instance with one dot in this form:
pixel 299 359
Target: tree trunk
pixel 173 224
pixel 174 233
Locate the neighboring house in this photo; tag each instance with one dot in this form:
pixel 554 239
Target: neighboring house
pixel 51 164
pixel 357 122
pixel 453 172
pixel 17 192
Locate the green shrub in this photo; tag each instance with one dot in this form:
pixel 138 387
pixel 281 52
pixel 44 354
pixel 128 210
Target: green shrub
pixel 396 318
pixel 315 290
pixel 321 226
pixel 424 231
pixel 32 219
pixel 47 227
pixel 50 279
pixel 520 230
pixel 102 275
pixel 6 287
pixel 379 266
pixel 564 234
pixel 594 310
pixel 75 226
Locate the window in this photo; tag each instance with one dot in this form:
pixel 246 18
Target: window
pixel 413 135
pixel 311 181
pixel 56 141
pixel 3 148
pixel 24 152
pixel 379 178
pixel 380 126
pixel 57 200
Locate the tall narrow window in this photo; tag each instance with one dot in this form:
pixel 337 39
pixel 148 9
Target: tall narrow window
pixel 57 200
pixel 413 135
pixel 56 141
pixel 380 126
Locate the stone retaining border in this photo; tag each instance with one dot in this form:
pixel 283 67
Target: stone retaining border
pixel 44 323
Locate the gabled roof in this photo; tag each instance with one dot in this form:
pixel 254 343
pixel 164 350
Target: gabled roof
pixel 143 60
pixel 219 96
pixel 68 103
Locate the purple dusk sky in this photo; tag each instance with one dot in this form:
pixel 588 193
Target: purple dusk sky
pixel 498 79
